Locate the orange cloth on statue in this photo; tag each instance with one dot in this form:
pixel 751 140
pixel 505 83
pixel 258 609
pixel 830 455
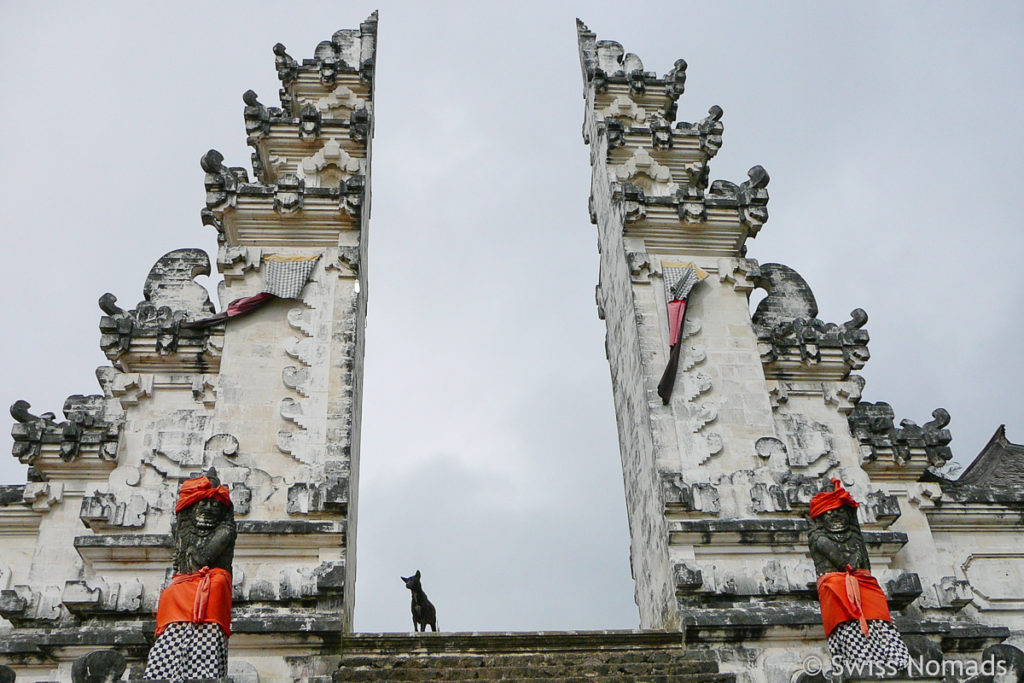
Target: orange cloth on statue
pixel 851 595
pixel 825 501
pixel 200 488
pixel 203 597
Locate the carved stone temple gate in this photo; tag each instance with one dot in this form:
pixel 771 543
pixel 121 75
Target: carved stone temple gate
pixel 271 400
pixel 763 409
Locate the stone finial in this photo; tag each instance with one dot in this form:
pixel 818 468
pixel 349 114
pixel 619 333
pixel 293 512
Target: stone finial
pixel 171 283
pixel 221 181
pixel 85 426
pixel 805 340
pixel 287 68
pixel 108 304
pixel 257 117
pixel 19 411
pixel 789 296
pixel 872 424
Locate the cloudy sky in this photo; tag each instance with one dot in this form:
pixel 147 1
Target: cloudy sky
pixel 892 131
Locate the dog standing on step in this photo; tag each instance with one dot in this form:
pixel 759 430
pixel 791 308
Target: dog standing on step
pixel 423 611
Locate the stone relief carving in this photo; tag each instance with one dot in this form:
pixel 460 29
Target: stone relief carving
pixel 642 266
pixel 289 194
pixel 329 166
pixel 625 111
pixel 102 511
pixel 99 666
pixel 682 496
pixel 643 171
pixel 131 387
pixel 309 380
pixel 22 604
pixel 844 395
pixel 310 121
pixel 179 444
pixel 234 262
pixel 808 441
pixel 787 328
pixel 341 101
pixel 99 596
pixel 43 495
pixel 348 51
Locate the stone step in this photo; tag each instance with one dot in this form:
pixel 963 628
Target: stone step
pixel 629 656
pixel 493 673
pixel 450 676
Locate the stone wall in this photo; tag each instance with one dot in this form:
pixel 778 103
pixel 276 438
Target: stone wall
pixel 764 410
pixel 270 399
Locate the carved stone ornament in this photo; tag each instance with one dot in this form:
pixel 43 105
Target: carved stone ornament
pixel 86 430
pixel 873 425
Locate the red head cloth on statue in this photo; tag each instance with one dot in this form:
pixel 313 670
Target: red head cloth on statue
pixel 823 502
pixel 200 488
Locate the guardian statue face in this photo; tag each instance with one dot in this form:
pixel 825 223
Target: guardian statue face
pixel 836 522
pixel 207 514
pixel 204 532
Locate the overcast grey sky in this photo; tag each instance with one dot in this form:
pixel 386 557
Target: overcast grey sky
pixel 892 131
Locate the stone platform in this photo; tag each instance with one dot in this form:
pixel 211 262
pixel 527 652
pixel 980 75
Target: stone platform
pixel 555 656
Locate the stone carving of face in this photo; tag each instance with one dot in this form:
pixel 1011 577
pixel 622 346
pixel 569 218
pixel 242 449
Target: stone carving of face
pixel 207 516
pixel 836 521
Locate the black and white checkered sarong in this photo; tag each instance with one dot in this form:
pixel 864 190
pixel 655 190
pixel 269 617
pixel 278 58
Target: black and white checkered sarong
pixel 883 644
pixel 285 279
pixel 185 650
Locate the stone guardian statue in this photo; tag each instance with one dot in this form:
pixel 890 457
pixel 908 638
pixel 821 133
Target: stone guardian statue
pixel 193 618
pixel 854 610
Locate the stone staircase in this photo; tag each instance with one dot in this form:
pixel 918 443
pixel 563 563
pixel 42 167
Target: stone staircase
pixel 631 656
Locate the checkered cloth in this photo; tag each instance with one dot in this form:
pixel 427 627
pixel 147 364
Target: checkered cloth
pixel 882 645
pixel 286 278
pixel 186 650
pixel 678 282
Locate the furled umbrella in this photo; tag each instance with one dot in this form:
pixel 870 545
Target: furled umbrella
pixel 679 293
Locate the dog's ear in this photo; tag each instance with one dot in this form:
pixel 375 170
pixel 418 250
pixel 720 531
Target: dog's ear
pixel 403 578
pixel 417 573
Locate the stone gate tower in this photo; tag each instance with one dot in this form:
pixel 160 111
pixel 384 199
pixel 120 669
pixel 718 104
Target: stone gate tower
pixel 720 461
pixel 270 399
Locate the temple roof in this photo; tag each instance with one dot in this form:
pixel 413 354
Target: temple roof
pixel 996 475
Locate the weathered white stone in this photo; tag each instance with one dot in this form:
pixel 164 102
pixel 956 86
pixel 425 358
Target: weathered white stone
pixel 719 477
pixel 270 399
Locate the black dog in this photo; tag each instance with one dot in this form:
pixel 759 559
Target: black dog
pixel 423 611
